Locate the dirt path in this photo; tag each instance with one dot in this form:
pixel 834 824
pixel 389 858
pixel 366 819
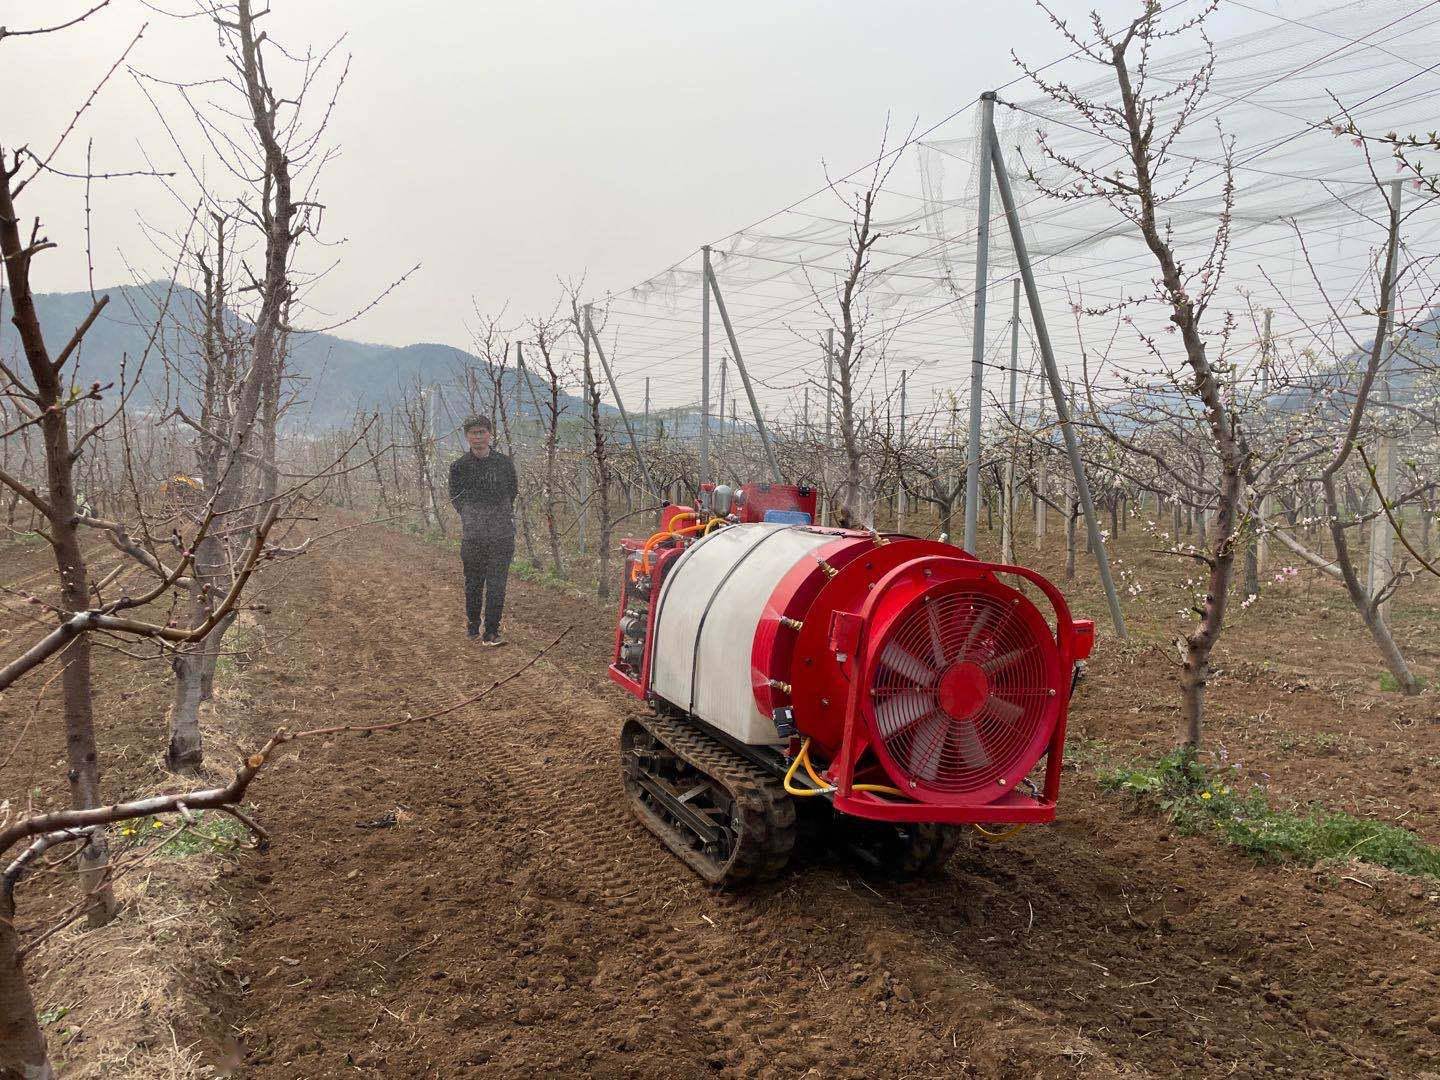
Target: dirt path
pixel 514 921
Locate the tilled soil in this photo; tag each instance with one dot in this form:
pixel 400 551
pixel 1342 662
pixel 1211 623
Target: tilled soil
pixel 470 896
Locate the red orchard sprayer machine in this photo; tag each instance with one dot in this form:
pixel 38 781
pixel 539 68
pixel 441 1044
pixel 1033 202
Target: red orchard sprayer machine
pixel 914 687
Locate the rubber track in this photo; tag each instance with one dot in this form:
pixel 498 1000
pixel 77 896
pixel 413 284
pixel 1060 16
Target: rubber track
pixel 764 848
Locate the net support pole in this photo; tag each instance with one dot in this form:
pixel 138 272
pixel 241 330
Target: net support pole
pixel 1007 511
pixel 1262 542
pixel 720 412
pixel 620 404
pixel 977 350
pixel 900 506
pixel 775 476
pixel 1052 373
pixel 704 374
pixel 829 426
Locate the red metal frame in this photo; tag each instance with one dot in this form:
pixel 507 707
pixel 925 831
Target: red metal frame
pixel 661 558
pixel 759 498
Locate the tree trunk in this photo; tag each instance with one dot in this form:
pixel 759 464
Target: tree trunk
pixel 1200 644
pixel 1370 612
pixel 185 751
pixel 213 581
pixel 23 1054
pixel 80 750
pixel 1040 505
pixel 1252 570
pixel 1070 545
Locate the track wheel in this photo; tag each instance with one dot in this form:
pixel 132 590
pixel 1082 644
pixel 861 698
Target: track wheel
pixel 724 817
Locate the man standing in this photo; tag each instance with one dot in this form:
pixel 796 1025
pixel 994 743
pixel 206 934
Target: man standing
pixel 482 490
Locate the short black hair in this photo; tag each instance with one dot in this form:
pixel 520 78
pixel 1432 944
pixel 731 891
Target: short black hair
pixel 482 422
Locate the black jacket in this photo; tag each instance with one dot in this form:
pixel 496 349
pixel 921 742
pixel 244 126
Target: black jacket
pixel 483 490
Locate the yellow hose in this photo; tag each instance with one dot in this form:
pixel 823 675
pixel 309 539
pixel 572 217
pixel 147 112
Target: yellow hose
pixel 803 758
pixel 790 775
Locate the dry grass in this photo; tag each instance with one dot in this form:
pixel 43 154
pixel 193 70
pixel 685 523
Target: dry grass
pixel 146 997
pixel 139 992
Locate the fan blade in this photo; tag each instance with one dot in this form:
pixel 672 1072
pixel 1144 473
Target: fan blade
pixel 921 755
pixel 895 713
pixel 976 627
pixel 903 662
pixel 983 622
pixel 1008 711
pixel 937 645
pixel 1004 660
pixel 972 750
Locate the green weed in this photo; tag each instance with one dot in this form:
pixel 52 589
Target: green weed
pixel 1200 801
pixel 1391 685
pixel 218 833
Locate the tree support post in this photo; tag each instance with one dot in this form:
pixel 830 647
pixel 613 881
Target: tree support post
pixel 900 506
pixel 829 426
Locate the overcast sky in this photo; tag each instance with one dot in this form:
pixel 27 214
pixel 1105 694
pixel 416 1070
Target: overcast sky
pixel 503 145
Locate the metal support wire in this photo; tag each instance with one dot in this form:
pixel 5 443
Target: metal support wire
pixel 704 374
pixel 744 375
pixel 1052 375
pixel 615 390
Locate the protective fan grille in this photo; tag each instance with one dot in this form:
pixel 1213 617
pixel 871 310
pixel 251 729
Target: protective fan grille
pixel 960 692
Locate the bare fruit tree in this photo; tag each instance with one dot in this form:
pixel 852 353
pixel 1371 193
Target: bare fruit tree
pixel 1143 122
pixel 549 334
pixel 1359 370
pixel 859 344
pixel 46 400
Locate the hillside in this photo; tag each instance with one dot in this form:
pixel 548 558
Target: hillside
pixel 333 376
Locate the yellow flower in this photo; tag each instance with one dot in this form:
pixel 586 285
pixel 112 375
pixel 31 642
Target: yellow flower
pixel 1205 795
pixel 157 824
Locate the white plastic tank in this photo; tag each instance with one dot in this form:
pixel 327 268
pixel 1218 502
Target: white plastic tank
pixel 709 607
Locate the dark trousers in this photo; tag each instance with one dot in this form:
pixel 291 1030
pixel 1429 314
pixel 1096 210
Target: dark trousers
pixel 487 568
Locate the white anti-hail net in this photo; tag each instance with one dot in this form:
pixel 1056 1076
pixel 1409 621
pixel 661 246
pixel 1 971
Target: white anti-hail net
pixel 1272 92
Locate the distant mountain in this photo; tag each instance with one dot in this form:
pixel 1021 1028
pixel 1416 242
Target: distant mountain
pixel 334 377
pixel 1409 370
